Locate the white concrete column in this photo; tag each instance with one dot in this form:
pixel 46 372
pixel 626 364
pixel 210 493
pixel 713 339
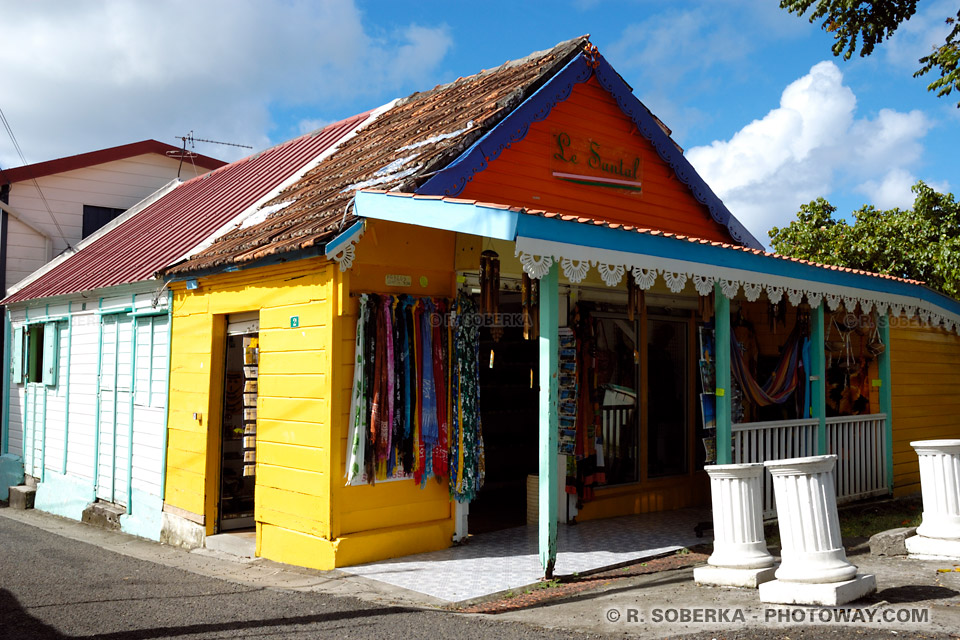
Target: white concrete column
pixel 814 567
pixel 740 557
pixel 809 526
pixel 938 535
pixel 940 485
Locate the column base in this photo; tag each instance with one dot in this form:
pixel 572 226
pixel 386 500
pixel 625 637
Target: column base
pixel 726 577
pixel 925 548
pixel 826 595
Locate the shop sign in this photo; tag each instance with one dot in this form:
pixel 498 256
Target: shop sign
pixel 592 162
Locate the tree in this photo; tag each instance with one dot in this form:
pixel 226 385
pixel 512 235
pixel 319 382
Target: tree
pixel 864 24
pixel 922 243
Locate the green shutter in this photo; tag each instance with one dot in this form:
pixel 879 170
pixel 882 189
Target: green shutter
pixel 51 364
pixel 16 357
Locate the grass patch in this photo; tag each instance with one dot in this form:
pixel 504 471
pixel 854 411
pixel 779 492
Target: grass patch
pixel 864 520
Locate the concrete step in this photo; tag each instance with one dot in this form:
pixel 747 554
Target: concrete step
pixel 104 515
pixel 22 497
pixel 241 543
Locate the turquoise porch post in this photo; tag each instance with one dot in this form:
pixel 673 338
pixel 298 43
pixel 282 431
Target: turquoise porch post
pixel 722 336
pixel 886 395
pixel 818 378
pixel 549 357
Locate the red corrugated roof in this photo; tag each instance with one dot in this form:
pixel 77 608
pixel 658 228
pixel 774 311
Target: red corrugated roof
pixel 102 156
pixel 180 220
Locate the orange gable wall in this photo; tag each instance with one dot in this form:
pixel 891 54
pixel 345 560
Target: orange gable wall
pixel 523 174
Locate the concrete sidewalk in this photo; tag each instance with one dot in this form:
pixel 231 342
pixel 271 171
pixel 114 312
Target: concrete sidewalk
pixel 642 606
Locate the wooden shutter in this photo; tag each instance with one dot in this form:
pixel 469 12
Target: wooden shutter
pixel 51 351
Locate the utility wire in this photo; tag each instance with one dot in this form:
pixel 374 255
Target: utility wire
pixel 16 145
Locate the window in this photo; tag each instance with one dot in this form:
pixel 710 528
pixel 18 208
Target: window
pixel 95 217
pixel 152 350
pixel 35 354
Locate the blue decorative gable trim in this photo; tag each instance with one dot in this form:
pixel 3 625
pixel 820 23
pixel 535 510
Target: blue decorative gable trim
pixel 649 128
pixel 451 180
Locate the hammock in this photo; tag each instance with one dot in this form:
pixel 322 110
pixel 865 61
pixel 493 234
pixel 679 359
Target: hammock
pixel 783 380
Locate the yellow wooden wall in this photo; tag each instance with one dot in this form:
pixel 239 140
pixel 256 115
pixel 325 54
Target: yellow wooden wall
pixel 295 403
pixel 925 366
pixel 398 517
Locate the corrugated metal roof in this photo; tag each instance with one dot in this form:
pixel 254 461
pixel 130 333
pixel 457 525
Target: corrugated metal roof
pixel 399 150
pixel 176 223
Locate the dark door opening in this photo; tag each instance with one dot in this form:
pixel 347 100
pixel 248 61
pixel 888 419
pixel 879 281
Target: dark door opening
pixel 509 388
pixel 238 433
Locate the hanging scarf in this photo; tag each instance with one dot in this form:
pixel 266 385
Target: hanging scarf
pixel 358 423
pixel 468 435
pixel 440 376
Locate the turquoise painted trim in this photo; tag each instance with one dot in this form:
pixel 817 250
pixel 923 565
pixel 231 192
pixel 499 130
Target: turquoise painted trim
pixel 146 313
pixel 133 386
pixel 116 385
pixel 886 395
pixel 166 399
pixel 66 399
pixel 333 247
pixel 549 437
pixel 488 222
pixel 96 423
pixel 63 495
pixel 722 345
pixel 44 319
pixel 113 310
pixel 7 363
pixel 43 424
pixel 26 400
pixel 153 328
pixel 818 389
pixel 574 233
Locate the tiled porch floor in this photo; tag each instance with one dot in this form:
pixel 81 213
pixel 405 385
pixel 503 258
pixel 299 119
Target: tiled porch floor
pixel 507 559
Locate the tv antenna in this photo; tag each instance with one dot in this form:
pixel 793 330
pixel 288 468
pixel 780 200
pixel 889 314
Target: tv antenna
pixel 191 140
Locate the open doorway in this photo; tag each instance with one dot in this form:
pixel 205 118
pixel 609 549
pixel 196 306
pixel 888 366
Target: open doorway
pixel 238 436
pixel 509 388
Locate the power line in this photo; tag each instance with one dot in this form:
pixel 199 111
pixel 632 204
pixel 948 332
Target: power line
pixel 43 198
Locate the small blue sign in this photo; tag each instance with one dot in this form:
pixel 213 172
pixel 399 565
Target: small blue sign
pixel 294 322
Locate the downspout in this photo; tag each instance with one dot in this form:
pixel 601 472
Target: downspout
pixel 166 399
pixel 5 428
pixel 66 400
pixel 26 402
pixel 133 384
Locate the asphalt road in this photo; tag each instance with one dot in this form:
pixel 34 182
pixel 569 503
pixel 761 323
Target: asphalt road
pixel 55 587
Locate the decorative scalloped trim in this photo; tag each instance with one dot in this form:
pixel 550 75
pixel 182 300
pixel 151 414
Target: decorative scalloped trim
pixel 452 179
pixel 644 277
pixel 611 274
pixel 536 266
pixel 675 281
pixel 575 270
pixel 346 256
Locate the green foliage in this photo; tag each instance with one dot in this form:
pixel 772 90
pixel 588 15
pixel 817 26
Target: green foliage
pixel 922 243
pixel 863 24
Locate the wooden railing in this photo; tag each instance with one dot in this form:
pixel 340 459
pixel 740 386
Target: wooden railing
pixel 860 445
pixel 858 442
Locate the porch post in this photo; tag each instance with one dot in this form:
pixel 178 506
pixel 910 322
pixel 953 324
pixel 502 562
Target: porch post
pixel 818 378
pixel 549 357
pixel 722 338
pixel 886 395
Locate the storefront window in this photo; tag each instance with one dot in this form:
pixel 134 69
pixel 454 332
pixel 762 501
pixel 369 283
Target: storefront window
pixel 617 376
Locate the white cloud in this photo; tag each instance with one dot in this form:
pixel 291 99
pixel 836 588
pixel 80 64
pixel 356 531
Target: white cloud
pixel 917 36
pixel 806 147
pixel 893 190
pixel 312 124
pixel 81 76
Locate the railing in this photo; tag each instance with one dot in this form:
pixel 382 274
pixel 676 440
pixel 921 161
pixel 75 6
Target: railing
pixel 858 442
pixel 760 441
pixel 860 445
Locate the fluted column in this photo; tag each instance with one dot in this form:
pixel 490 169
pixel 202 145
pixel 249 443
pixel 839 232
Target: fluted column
pixel 737 492
pixel 812 551
pixel 940 486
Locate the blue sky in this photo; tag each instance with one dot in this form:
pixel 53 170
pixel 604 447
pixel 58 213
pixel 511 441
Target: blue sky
pixel 768 116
